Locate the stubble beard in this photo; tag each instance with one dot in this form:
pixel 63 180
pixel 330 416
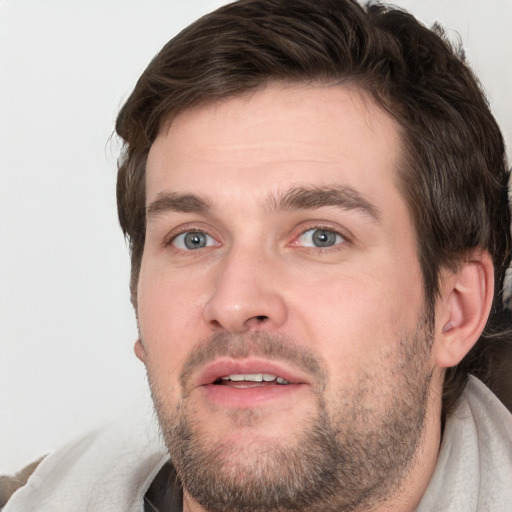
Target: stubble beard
pixel 352 458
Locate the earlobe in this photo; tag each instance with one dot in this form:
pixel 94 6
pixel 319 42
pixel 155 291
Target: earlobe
pixel 463 308
pixel 140 351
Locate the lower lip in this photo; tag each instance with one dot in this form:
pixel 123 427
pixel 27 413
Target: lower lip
pixel 234 397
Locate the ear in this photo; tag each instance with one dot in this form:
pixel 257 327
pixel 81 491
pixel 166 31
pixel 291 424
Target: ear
pixel 463 308
pixel 140 350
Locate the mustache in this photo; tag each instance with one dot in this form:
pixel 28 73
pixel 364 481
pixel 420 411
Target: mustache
pixel 252 344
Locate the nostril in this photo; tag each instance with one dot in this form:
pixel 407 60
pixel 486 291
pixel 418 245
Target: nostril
pixel 261 318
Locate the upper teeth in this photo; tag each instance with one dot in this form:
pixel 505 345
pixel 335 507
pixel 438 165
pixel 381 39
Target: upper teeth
pixel 255 377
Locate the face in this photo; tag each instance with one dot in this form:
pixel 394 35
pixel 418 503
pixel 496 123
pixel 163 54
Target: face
pixel 280 302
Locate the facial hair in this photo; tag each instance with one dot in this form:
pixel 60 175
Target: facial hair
pixel 351 457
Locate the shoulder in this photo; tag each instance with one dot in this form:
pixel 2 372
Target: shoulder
pixel 492 420
pixel 474 468
pixel 107 469
pixel 9 484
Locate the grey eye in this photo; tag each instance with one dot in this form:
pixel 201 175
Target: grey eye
pixel 320 238
pixel 192 240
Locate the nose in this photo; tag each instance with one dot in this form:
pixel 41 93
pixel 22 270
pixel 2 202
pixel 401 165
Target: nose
pixel 246 295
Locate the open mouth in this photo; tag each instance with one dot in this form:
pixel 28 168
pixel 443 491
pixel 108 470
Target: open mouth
pixel 247 383
pixel 250 380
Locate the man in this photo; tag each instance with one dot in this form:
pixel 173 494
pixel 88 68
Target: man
pixel 315 196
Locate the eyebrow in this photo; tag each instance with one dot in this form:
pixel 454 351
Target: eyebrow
pixel 296 198
pixel 181 203
pixel 311 198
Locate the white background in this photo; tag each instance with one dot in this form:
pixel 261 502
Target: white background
pixel 66 325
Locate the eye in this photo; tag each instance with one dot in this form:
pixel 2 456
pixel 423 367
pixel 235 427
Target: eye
pixel 192 240
pixel 320 238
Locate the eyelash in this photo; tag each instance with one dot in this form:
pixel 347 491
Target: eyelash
pixel 198 234
pixel 345 239
pixel 171 238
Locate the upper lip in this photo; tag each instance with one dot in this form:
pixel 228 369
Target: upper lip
pixel 224 366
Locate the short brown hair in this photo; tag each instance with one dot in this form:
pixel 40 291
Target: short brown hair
pixel 454 174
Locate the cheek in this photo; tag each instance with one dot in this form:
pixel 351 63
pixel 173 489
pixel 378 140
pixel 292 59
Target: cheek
pixel 169 315
pixel 358 319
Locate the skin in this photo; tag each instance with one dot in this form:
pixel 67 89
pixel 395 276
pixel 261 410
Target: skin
pixel 352 305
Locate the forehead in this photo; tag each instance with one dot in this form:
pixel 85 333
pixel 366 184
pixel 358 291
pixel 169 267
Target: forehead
pixel 275 138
